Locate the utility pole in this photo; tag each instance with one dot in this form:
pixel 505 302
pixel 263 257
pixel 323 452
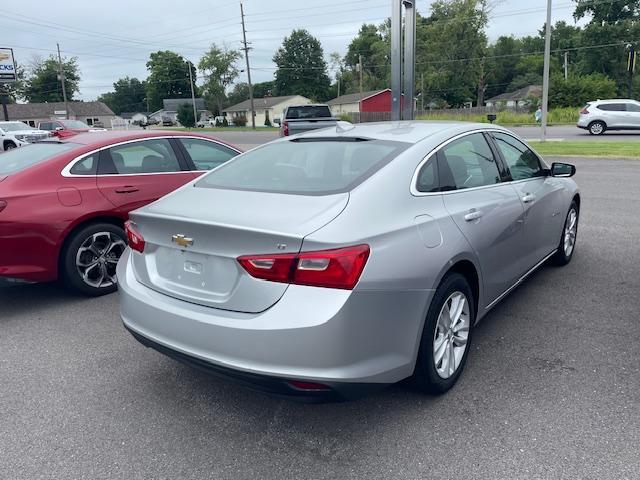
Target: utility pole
pixel 360 70
pixel 193 95
pixel 566 66
pixel 545 74
pixel 246 56
pixel 62 80
pixel 422 92
pixel 631 67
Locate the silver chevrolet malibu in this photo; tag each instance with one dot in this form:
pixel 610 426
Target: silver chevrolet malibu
pixel 333 263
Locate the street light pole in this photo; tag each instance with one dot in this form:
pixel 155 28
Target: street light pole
pixel 545 75
pixel 193 95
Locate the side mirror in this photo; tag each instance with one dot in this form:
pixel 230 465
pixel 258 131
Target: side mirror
pixel 562 170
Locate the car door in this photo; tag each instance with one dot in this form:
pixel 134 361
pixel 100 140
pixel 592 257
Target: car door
pixel 488 212
pixel 633 115
pixel 540 194
pixel 136 173
pixel 614 114
pixel 204 155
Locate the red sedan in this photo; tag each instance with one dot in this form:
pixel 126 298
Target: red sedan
pixel 67 128
pixel 63 204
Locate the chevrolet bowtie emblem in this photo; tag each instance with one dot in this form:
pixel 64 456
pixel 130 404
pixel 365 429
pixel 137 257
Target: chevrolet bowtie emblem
pixel 182 241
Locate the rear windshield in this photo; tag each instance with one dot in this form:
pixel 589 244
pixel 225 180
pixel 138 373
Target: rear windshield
pixel 15 126
pixel 74 124
pixel 304 166
pixel 19 159
pixel 309 111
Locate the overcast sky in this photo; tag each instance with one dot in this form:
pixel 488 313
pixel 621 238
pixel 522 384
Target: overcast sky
pixel 113 39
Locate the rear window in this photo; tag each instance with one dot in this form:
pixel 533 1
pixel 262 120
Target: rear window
pixel 305 166
pixel 19 159
pixel 308 111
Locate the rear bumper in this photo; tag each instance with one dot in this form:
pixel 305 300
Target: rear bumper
pixel 351 341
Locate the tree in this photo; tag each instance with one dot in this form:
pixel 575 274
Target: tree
pixel 219 66
pixel 185 115
pixel 239 93
pixel 168 78
pixel 609 12
pixel 128 96
pixel 302 69
pixel 373 44
pixel 42 83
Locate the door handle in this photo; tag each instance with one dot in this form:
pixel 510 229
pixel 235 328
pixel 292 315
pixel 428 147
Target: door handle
pixel 528 198
pixel 127 189
pixel 473 215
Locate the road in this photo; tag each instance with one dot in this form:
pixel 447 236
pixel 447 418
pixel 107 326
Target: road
pixel 248 139
pixel 551 390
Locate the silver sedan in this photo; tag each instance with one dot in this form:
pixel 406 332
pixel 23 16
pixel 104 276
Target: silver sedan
pixel 333 263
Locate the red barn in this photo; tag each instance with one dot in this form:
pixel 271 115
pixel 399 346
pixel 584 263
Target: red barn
pixel 373 101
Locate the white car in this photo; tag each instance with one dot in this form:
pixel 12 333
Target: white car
pixel 602 115
pixel 17 134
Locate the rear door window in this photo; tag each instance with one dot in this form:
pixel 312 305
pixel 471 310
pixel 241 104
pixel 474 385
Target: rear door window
pixel 311 166
pixel 146 156
pixel 467 162
pixel 612 107
pixel 206 155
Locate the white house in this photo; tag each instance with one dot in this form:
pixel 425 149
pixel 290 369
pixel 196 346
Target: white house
pixel 519 98
pixel 265 108
pixel 170 109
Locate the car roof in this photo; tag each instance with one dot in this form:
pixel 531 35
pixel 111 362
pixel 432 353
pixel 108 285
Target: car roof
pixel 616 100
pixel 100 139
pixel 399 131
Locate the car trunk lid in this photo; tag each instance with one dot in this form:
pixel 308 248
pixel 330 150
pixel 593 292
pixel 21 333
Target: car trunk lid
pixel 192 240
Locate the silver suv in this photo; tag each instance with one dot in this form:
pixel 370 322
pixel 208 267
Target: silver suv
pixel 603 115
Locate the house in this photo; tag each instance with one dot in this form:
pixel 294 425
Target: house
pixel 265 108
pixel 89 112
pixel 519 98
pixel 372 101
pixel 169 110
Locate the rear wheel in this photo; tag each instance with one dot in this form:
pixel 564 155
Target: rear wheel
pixel 9 146
pixel 90 258
pixel 569 236
pixel 446 336
pixel 597 127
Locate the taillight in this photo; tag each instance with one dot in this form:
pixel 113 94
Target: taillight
pixel 136 241
pixel 285 129
pixel 339 268
pixel 584 111
pixel 3 205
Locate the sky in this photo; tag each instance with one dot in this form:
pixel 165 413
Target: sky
pixel 114 39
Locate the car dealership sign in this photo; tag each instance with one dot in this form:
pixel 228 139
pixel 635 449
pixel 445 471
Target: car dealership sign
pixel 7 65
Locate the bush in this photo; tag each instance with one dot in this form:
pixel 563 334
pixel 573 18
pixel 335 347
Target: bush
pixel 219 123
pixel 579 89
pixel 185 116
pixel 240 121
pixel 557 116
pixel 225 122
pixel 345 117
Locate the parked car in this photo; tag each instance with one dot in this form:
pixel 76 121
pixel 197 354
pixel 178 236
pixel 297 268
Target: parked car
pixel 602 115
pixel 63 204
pixel 67 128
pixel 18 134
pixel 373 253
pixel 167 121
pixel 303 118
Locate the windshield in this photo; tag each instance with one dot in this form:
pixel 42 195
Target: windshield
pixel 309 111
pixel 15 126
pixel 73 124
pixel 305 166
pixel 22 158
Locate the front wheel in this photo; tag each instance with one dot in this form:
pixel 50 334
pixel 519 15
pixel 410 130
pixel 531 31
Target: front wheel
pixel 9 146
pixel 567 245
pixel 446 336
pixel 89 260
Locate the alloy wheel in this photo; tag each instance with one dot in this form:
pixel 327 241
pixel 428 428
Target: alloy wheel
pixel 451 335
pixel 97 258
pixel 596 128
pixel 570 232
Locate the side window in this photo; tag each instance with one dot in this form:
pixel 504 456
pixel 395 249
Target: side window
pixel 87 166
pixel 147 156
pixel 522 162
pixel 46 126
pixel 632 107
pixel 466 163
pixel 207 155
pixel 428 177
pixel 612 107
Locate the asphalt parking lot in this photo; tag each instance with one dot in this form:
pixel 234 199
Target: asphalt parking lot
pixel 551 390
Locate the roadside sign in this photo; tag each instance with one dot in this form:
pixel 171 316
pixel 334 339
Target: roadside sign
pixel 59 112
pixel 7 66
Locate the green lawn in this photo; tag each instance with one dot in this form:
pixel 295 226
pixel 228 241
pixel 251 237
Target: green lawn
pixel 588 148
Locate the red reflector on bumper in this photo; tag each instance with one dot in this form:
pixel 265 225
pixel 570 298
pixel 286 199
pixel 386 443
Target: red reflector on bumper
pixel 308 386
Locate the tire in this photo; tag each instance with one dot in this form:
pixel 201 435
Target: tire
pixel 597 127
pixel 431 376
pixel 9 146
pixel 93 250
pixel 568 238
